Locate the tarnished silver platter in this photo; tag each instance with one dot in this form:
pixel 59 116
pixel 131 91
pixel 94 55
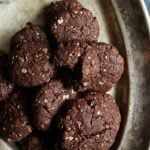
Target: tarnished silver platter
pixel 124 23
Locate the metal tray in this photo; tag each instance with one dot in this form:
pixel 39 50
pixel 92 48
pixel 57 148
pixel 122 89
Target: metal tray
pixel 124 23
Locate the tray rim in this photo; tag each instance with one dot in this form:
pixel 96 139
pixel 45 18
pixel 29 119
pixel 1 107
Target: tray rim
pixel 145 14
pixel 147 20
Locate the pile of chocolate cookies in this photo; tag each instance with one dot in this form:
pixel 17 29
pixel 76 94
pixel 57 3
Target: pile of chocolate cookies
pixel 53 83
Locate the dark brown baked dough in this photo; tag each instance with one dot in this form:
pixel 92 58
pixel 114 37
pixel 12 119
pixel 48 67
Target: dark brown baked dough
pixel 32 142
pixel 91 124
pixel 98 66
pixel 30 33
pixel 29 60
pixel 48 101
pixel 57 6
pixel 6 86
pixel 68 54
pixel 30 66
pixel 102 67
pixel 72 22
pixel 14 124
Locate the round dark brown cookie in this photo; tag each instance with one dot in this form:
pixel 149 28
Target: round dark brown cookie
pixel 6 87
pixel 30 66
pixel 48 102
pixel 30 33
pixel 74 23
pixel 102 67
pixel 91 124
pixel 14 124
pixel 32 142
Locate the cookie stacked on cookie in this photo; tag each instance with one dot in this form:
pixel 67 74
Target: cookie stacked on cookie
pixel 56 83
pixel 94 118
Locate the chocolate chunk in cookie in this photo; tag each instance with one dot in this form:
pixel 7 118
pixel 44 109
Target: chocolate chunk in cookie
pixel 72 22
pixel 14 124
pixel 91 124
pixel 48 102
pixel 30 66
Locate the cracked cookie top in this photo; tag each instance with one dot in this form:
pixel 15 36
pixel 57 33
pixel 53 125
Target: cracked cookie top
pixel 92 123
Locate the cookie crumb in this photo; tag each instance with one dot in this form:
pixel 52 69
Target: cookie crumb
pixel 69 138
pixel 45 50
pixel 24 70
pixel 60 21
pixel 65 97
pixel 98 113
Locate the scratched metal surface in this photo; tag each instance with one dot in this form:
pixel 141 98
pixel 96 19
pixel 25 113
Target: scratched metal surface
pixel 124 23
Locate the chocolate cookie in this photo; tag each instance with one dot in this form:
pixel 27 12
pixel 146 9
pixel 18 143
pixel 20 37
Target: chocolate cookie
pixel 48 102
pixel 91 124
pixel 74 22
pixel 30 66
pixel 6 87
pixel 98 66
pixel 31 33
pixel 14 124
pixel 102 67
pixel 32 142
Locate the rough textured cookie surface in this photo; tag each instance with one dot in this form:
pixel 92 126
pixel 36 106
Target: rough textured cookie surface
pixel 14 124
pixel 97 66
pixel 6 87
pixel 30 66
pixel 58 6
pixel 91 124
pixel 32 142
pixel 102 67
pixel 48 102
pixel 68 54
pixel 31 33
pixel 74 22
